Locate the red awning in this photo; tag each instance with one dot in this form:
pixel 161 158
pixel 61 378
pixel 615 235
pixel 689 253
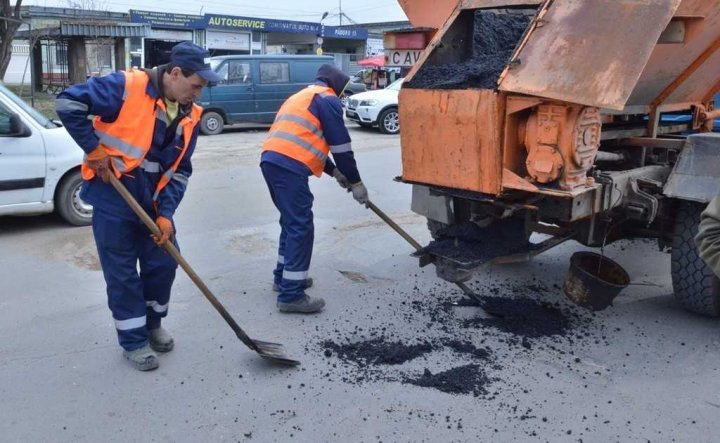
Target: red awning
pixel 375 60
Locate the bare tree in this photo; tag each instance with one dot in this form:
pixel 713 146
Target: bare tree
pixel 9 23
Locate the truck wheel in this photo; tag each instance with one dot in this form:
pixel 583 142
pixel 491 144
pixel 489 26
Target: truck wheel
pixel 696 287
pixel 68 202
pixel 389 121
pixel 211 123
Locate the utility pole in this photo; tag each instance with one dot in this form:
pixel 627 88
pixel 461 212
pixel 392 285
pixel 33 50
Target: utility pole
pixel 341 13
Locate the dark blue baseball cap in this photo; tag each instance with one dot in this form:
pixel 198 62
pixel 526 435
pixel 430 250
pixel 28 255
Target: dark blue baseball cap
pixel 191 56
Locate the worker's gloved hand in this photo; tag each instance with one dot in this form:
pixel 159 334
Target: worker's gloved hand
pixel 359 193
pixel 341 179
pixel 99 162
pixel 166 229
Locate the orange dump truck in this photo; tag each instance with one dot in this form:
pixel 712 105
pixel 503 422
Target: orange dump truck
pixel 578 120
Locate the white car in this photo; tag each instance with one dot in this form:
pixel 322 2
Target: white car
pixel 377 108
pixel 39 164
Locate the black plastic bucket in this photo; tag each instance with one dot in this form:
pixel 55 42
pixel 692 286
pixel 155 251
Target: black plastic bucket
pixel 593 281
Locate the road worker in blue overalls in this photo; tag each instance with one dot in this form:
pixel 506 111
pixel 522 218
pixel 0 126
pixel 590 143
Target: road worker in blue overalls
pixel 308 127
pixel 142 126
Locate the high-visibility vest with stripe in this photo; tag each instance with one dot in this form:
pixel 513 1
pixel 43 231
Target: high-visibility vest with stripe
pixel 127 140
pixel 297 133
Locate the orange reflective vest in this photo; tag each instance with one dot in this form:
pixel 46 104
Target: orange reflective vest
pixel 127 140
pixel 297 133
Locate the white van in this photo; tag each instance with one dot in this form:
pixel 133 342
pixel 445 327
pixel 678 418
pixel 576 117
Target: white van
pixel 39 164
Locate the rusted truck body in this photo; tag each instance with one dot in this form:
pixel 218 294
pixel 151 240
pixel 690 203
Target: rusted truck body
pixel 578 120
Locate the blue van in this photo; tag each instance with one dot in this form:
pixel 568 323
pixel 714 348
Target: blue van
pixel 254 87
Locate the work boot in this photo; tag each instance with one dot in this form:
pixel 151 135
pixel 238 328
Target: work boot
pixel 160 340
pixel 144 359
pixel 308 284
pixel 305 305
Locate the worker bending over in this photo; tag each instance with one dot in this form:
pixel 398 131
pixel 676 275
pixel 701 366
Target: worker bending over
pixel 308 127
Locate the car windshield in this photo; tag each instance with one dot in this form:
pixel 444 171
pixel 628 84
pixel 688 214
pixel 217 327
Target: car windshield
pixel 44 121
pixel 395 86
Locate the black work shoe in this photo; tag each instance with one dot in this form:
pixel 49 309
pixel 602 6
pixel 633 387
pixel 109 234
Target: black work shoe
pixel 305 305
pixel 308 284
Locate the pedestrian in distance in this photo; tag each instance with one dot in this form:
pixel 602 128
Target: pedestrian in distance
pixel 307 129
pixel 141 126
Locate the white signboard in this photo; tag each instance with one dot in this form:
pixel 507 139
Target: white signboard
pixel 239 41
pixel 170 34
pixel 402 57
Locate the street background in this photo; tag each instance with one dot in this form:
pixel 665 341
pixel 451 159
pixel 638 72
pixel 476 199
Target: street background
pixel 643 370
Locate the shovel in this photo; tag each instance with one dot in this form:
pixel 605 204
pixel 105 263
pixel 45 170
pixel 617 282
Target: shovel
pixel 465 288
pixel 274 352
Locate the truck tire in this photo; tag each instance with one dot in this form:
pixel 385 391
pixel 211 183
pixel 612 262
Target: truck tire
pixel 389 121
pixel 696 287
pixel 68 202
pixel 211 123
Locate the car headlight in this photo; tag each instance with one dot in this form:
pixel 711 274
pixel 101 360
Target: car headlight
pixel 368 103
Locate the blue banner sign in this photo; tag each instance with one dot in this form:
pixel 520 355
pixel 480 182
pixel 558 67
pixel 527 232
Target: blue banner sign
pixel 158 19
pixel 348 33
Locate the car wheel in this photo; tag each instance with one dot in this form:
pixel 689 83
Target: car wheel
pixel 344 99
pixel 389 121
pixel 211 123
pixel 68 202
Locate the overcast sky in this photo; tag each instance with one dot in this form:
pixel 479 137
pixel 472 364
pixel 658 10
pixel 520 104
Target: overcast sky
pixel 362 11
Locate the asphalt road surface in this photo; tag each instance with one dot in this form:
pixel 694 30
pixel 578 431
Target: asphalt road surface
pixel 391 358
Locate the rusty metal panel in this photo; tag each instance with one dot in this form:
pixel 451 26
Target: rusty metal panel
pixel 451 138
pixel 669 61
pixel 589 52
pixel 428 13
pixel 696 175
pixel 476 4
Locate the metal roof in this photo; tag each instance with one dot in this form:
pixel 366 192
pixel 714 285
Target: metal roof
pixel 105 29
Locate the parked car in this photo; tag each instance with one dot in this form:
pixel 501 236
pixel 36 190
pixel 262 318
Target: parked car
pixel 377 108
pixel 254 87
pixel 351 89
pixel 39 164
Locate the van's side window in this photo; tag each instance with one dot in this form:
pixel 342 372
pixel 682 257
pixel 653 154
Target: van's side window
pixel 274 72
pixel 235 72
pixel 4 121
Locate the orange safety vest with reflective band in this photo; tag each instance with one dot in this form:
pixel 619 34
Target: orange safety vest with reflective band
pixel 297 133
pixel 127 140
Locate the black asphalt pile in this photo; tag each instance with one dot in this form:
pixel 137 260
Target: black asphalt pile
pixel 523 317
pixel 376 351
pixel 494 39
pixel 467 348
pixel 467 379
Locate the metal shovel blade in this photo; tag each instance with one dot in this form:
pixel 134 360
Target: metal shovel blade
pixel 275 352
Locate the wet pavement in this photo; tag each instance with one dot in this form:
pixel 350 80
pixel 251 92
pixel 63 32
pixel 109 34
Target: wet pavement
pixel 397 356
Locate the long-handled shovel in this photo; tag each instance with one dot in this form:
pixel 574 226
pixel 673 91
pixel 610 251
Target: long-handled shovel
pixel 274 352
pixel 465 288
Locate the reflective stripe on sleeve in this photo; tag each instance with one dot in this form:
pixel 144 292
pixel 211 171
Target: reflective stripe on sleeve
pixel 65 104
pixel 150 166
pixel 339 149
